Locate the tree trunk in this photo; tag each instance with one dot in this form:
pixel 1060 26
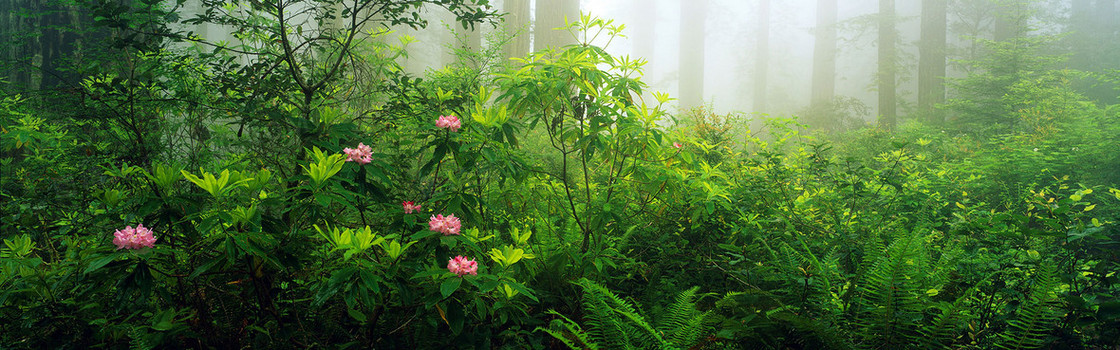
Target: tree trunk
pixel 551 14
pixel 824 53
pixel 1108 20
pixel 1011 18
pixel 887 94
pixel 644 33
pixel 762 55
pixel 517 22
pixel 691 91
pixel 931 60
pixel 458 38
pixel 1081 15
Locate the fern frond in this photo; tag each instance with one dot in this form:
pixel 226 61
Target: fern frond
pixel 601 310
pixel 893 295
pixel 1036 316
pixel 613 323
pixel 682 323
pixel 573 336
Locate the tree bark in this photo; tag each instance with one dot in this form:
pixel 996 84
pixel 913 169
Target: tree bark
pixel 517 22
pixel 931 60
pixel 1010 21
pixel 691 91
pixel 888 117
pixel 1108 20
pixel 645 28
pixel 551 14
pixel 824 53
pixel 762 55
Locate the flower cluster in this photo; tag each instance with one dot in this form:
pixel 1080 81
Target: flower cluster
pixel 134 238
pixel 462 266
pixel 363 154
pixel 448 225
pixel 449 122
pixel 409 208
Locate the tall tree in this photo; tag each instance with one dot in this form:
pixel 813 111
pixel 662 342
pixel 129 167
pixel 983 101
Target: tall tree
pixel 552 14
pixel 1080 18
pixel 762 55
pixel 888 99
pixel 40 38
pixel 460 37
pixel 693 15
pixel 644 34
pixel 517 22
pixel 931 59
pixel 1011 19
pixel 824 53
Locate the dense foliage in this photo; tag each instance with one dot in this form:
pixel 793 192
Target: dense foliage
pixel 299 190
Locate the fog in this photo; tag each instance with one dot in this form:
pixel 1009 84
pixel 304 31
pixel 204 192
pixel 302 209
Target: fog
pixel 730 48
pixel 731 54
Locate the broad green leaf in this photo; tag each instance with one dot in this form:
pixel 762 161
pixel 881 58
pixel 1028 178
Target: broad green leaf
pixel 450 285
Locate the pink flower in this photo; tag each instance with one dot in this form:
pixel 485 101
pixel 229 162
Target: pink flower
pixel 363 154
pixel 677 144
pixel 447 225
pixel 409 208
pixel 449 122
pixel 134 238
pixel 462 266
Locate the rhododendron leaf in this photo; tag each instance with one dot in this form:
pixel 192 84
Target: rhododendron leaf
pixel 204 267
pixel 422 234
pixel 522 289
pixel 231 250
pixel 450 285
pixel 489 285
pixel 370 281
pixel 163 320
pixel 455 317
pixel 429 273
pixel 470 242
pixel 437 155
pixel 498 256
pixel 99 262
pixel 510 292
pixel 357 315
pixel 338 280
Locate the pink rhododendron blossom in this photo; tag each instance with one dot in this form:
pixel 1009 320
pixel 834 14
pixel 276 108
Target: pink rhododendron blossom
pixel 409 208
pixel 363 154
pixel 134 238
pixel 677 144
pixel 462 266
pixel 447 225
pixel 449 122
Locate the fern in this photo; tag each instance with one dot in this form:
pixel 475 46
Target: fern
pixel 945 323
pixel 573 336
pixel 613 323
pixel 682 323
pixel 1036 316
pixel 893 293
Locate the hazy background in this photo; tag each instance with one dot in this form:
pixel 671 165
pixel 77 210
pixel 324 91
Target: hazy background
pixel 730 47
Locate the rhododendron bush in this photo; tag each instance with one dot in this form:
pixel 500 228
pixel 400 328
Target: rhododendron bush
pixel 321 197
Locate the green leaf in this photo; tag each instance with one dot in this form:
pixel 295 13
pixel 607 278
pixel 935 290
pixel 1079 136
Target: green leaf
pixel 524 290
pixel 455 317
pixel 100 262
pixel 357 315
pixel 450 286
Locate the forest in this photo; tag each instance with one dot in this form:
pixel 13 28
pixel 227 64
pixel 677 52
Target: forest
pixel 560 174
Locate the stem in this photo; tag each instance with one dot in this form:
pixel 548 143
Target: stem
pixel 435 176
pixel 362 199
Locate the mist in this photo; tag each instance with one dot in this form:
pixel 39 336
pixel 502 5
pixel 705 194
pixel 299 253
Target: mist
pixel 724 68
